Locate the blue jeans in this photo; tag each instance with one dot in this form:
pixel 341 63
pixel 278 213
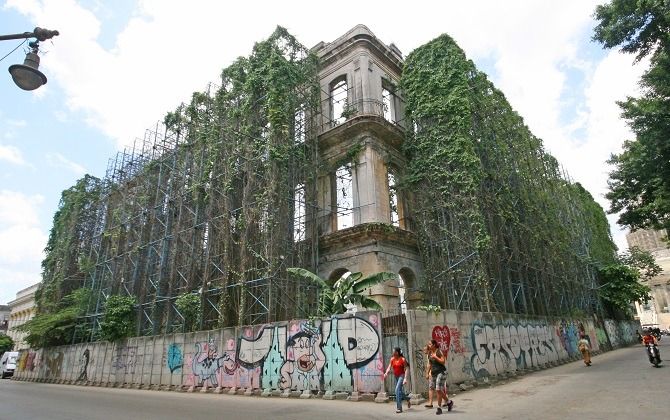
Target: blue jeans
pixel 400 395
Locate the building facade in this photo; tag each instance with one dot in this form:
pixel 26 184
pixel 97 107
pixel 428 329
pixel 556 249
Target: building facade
pixel 22 310
pixel 363 227
pixel 656 312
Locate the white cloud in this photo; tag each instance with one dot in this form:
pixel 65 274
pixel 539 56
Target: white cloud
pixel 58 159
pixel 21 243
pixel 18 209
pixel 11 154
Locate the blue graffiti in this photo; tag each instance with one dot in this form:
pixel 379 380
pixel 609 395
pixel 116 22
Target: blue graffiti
pixel 174 358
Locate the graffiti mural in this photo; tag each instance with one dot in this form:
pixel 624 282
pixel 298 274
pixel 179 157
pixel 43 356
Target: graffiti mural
pixel 125 359
pixel 443 337
pixel 305 360
pixel 52 364
pixel 26 362
pixel 174 358
pixel 207 363
pixel 456 343
pixel 83 361
pixel 331 354
pixel 505 348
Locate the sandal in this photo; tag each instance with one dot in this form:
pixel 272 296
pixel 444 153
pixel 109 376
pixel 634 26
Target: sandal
pixel 428 405
pixel 398 411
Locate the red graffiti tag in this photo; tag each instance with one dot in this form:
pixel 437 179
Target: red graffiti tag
pixel 458 346
pixel 443 338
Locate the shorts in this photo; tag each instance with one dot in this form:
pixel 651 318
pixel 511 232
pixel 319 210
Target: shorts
pixel 439 382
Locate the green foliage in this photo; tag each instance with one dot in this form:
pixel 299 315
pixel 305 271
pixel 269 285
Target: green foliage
pixel 57 327
pixel 495 216
pixel 65 265
pixel 346 291
pixel 189 306
pixel 6 343
pixel 620 286
pixel 430 308
pixel 639 27
pixel 119 318
pixel 639 186
pixel 621 282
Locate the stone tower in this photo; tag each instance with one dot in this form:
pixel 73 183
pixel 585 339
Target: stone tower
pixel 363 223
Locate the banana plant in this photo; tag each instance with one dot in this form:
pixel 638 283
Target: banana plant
pixel 346 290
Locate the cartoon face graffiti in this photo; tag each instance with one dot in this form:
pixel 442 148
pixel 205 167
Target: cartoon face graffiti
pixel 302 352
pixel 302 369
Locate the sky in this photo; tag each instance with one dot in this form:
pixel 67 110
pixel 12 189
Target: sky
pixel 118 67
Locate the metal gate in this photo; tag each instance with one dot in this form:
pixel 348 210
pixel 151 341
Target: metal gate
pixel 394 334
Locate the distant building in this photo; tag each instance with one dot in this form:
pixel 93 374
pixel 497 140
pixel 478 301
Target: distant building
pixel 656 312
pixel 4 317
pixel 22 310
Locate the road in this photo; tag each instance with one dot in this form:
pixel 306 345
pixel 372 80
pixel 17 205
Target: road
pixel 621 384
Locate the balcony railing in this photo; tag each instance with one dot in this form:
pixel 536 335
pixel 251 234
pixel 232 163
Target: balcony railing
pixel 338 112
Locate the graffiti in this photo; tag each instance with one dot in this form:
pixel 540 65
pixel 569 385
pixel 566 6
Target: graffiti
pixel 305 360
pixel 26 362
pixel 601 337
pixel 443 337
pixel 53 364
pixel 174 358
pixel 207 368
pixel 85 358
pixel 504 348
pixel 125 359
pixel 456 344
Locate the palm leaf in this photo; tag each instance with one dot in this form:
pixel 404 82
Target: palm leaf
pixel 370 303
pixel 372 280
pixel 301 272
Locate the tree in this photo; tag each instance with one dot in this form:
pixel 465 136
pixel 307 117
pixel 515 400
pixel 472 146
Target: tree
pixel 639 186
pixel 189 306
pixel 119 318
pixel 6 343
pixel 57 327
pixel 622 281
pixel 346 290
pixel 637 26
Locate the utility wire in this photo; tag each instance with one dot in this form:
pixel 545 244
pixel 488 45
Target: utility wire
pixel 17 47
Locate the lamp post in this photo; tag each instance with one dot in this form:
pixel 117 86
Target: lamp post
pixel 26 75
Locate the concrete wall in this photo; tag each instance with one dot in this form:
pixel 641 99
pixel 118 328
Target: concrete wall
pixel 329 358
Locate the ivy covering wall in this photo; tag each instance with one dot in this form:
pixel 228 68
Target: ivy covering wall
pixel 501 227
pixel 216 201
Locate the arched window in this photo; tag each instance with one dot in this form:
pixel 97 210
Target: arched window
pixel 402 293
pixel 338 100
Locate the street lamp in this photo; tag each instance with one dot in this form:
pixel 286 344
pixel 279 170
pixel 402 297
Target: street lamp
pixel 27 75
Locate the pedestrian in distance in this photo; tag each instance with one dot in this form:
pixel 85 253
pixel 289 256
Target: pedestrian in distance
pixel 585 348
pixel 436 373
pixel 400 371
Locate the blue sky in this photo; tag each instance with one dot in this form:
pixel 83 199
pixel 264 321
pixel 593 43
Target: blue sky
pixel 117 67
